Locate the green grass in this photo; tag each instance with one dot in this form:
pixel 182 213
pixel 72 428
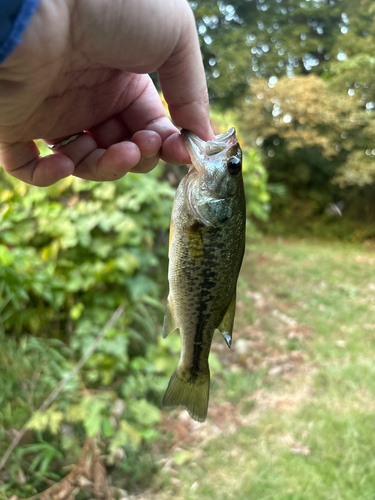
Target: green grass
pixel 292 409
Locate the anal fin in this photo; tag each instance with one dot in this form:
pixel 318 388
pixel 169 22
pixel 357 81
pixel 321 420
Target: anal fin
pixel 226 325
pixel 169 325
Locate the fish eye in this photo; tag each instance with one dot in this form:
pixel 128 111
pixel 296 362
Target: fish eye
pixel 234 165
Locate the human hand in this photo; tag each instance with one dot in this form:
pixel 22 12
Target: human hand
pixel 83 66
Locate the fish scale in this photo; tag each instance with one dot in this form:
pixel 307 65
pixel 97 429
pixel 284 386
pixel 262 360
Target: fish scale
pixel 207 243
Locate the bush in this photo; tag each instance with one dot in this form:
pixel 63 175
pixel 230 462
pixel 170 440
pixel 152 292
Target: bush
pixel 69 255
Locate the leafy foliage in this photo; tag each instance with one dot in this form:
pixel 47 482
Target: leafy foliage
pixel 242 41
pixel 317 142
pixel 69 255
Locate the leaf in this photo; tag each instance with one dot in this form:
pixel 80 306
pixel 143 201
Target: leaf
pixel 76 413
pixel 126 435
pixel 6 256
pixel 107 428
pixel 105 191
pixel 38 422
pixel 144 413
pixel 76 311
pixel 36 461
pixel 5 195
pixel 55 419
pixel 45 464
pixel 93 421
pixel 92 424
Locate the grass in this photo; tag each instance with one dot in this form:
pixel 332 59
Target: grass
pixel 292 409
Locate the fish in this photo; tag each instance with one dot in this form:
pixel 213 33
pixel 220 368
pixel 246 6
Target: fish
pixel 206 248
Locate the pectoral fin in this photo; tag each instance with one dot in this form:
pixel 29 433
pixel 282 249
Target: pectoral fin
pixel 169 321
pixel 226 325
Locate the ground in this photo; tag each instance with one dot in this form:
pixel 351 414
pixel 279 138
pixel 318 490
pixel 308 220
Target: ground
pixel 292 408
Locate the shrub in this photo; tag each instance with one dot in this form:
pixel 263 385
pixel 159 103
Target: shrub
pixel 69 255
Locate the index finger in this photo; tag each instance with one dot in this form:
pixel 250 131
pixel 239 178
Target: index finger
pixel 183 82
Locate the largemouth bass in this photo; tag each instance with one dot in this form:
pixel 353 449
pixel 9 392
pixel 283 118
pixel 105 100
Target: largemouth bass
pixel 207 243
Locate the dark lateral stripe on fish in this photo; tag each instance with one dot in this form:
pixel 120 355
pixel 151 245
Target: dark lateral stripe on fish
pixel 199 334
pixel 205 297
pixel 198 342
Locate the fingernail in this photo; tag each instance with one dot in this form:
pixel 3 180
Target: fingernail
pixel 152 156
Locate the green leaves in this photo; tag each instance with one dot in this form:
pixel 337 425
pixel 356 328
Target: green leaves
pixel 94 409
pixel 77 237
pixel 125 436
pixel 45 454
pixel 6 257
pixel 50 418
pixel 141 411
pixel 69 255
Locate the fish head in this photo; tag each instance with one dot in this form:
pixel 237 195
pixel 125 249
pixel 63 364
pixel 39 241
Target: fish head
pixel 214 182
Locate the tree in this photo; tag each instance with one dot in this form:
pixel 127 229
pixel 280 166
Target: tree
pixel 246 40
pixel 315 140
pixel 300 75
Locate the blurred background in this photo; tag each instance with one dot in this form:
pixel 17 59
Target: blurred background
pixel 291 413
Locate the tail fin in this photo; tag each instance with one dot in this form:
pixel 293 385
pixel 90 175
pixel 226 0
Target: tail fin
pixel 189 391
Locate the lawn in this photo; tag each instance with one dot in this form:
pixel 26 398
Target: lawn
pixel 292 408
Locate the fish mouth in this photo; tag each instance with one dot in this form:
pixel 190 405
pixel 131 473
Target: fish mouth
pixel 200 150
